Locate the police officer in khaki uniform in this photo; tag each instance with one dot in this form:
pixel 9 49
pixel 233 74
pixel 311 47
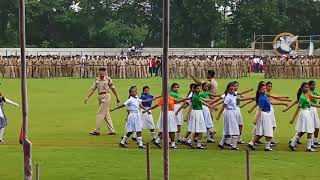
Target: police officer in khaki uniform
pixel 122 69
pixel 103 84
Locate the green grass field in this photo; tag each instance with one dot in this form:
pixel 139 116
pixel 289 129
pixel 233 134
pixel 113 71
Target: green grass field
pixel 59 123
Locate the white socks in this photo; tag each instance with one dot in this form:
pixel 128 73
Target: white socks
pixel 134 135
pixel 139 139
pixel 240 138
pixel 124 139
pixel 209 135
pixel 234 141
pixel 309 143
pixel 223 140
pixel 173 144
pixel 315 140
pixel 228 141
pixel 1 133
pixel 153 135
pixel 294 140
pixel 157 140
pixel 268 143
pixel 179 137
pixel 198 143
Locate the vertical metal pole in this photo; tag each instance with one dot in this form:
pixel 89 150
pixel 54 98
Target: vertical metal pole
pixel 165 42
pixel 248 164
pixel 37 172
pixel 26 142
pixel 148 161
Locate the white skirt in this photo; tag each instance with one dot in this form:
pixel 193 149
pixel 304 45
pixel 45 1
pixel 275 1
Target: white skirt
pixel 273 117
pixel 315 117
pixel 196 122
pixel 264 125
pixel 134 122
pixel 239 116
pixel 230 124
pixel 179 117
pixel 172 124
pixel 147 120
pixel 305 122
pixel 207 117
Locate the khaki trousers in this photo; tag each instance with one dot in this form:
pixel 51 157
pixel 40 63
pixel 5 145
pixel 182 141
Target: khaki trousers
pixel 104 113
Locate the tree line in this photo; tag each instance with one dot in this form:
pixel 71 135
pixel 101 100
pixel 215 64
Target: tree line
pixel 122 23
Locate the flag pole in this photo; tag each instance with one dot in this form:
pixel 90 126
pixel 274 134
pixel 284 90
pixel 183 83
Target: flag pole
pixel 26 143
pixel 165 36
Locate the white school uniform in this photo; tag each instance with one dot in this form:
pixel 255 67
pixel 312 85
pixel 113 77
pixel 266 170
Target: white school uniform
pixel 305 122
pixel 207 117
pixel 230 116
pixel 315 117
pixel 133 123
pixel 196 122
pixel 190 103
pixel 172 123
pixel 273 117
pixel 147 120
pixel 179 116
pixel 238 115
pixel 264 125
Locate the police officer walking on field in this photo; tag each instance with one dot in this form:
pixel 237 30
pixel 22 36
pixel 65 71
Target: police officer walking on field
pixel 103 84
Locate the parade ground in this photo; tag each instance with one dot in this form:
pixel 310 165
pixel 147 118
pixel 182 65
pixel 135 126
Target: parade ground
pixel 59 123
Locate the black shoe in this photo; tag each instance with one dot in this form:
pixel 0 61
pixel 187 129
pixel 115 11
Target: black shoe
pixel 250 147
pixel 265 149
pixel 225 144
pixel 241 142
pixel 200 147
pixel 202 144
pixel 235 149
pixel 274 143
pixel 142 147
pixel 298 142
pixel 220 146
pixel 93 133
pixel 292 148
pixel 316 143
pixel 134 139
pixel 179 140
pixel 1 141
pixel 314 146
pixel 210 141
pixel 156 144
pixel 123 145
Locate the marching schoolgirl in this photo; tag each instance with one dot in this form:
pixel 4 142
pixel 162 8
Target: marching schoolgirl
pixel 172 123
pixel 231 125
pixel 178 114
pixel 305 123
pixel 263 119
pixel 133 123
pixel 205 95
pixel 147 118
pixel 3 118
pixel 272 97
pixel 239 115
pixel 197 122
